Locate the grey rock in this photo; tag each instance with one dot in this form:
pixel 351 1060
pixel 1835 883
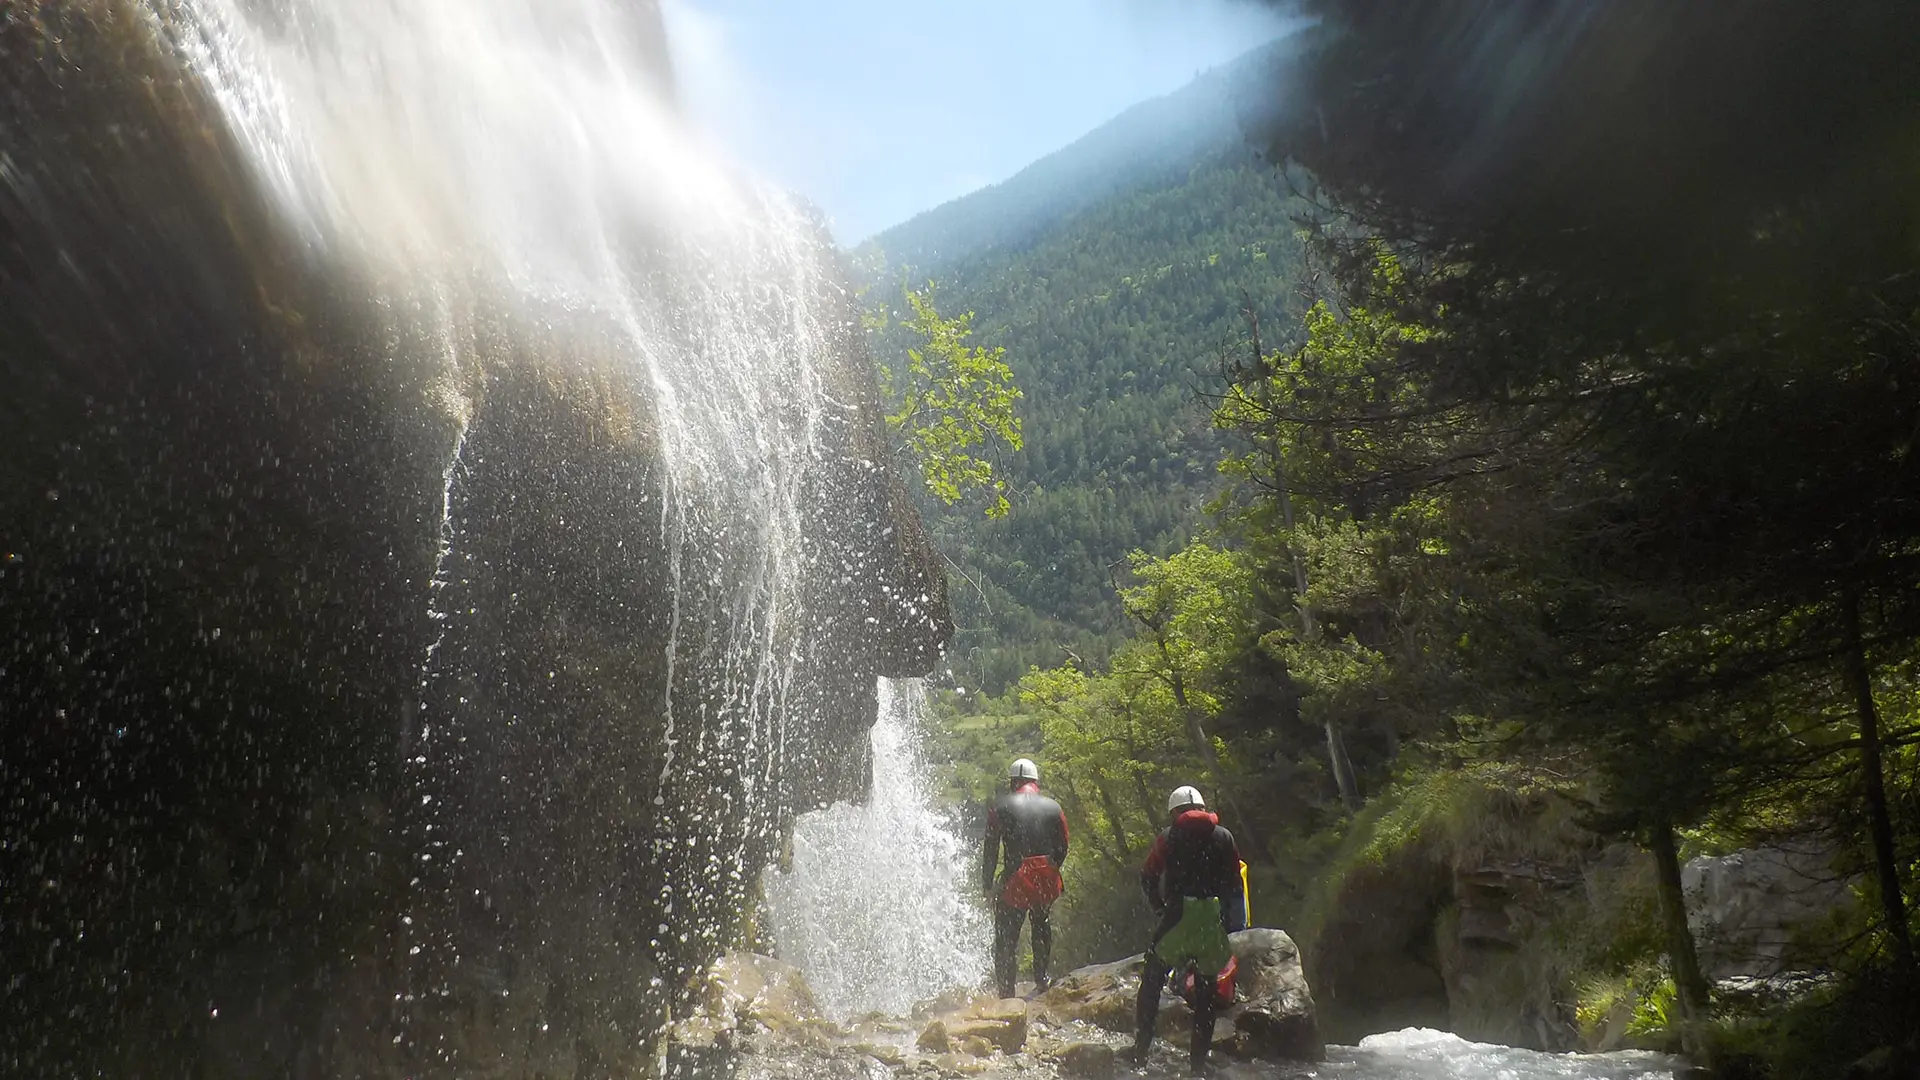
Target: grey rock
pixel 1273 1006
pixel 1272 1015
pixel 1745 908
pixel 1094 1061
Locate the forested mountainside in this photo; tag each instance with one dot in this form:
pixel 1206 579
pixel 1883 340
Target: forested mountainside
pixel 1115 302
pixel 1151 146
pixel 1562 573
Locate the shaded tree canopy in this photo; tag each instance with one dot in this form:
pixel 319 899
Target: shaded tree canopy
pixel 1660 148
pixel 1662 262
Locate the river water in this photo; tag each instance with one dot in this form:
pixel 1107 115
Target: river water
pixel 1422 1054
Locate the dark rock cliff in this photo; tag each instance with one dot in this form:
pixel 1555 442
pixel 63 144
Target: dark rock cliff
pixel 271 801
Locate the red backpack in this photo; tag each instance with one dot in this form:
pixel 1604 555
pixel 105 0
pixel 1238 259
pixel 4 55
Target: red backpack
pixel 1222 983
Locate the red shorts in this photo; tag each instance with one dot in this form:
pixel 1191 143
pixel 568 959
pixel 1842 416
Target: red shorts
pixel 1034 884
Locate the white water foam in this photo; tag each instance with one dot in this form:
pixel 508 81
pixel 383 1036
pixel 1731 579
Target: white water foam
pixel 1425 1054
pixel 874 907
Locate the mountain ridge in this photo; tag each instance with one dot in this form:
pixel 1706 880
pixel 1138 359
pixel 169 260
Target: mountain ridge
pixel 1150 144
pixel 1114 273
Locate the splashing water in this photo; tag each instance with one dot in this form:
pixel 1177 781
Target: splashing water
pixel 559 538
pixel 1424 1054
pixel 874 908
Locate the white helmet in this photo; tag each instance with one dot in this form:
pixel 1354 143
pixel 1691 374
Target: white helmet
pixel 1022 769
pixel 1184 797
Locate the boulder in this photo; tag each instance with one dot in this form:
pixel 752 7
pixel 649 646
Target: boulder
pixel 741 995
pixel 1100 994
pixel 958 1065
pixel 1273 1007
pixel 1272 1015
pixel 1091 1060
pixel 979 1029
pixel 749 986
pixel 935 1040
pixel 891 1056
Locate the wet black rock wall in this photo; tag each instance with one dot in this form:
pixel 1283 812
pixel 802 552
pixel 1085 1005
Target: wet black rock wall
pixel 235 713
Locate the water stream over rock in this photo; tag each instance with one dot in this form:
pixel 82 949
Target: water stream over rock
pixel 874 907
pixel 445 534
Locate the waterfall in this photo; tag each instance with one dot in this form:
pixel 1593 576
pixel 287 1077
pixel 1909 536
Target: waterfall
pixel 513 151
pixel 874 907
pixel 484 536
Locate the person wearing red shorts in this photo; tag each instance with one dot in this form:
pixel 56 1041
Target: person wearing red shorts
pixel 1027 838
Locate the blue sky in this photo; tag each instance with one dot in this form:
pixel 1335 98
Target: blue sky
pixel 878 109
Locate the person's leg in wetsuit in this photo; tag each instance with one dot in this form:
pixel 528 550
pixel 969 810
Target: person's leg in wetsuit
pixel 1146 1007
pixel 1006 945
pixel 1153 976
pixel 1205 1005
pixel 1042 945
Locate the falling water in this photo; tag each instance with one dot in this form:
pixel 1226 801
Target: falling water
pixel 873 908
pixel 435 399
pixel 508 150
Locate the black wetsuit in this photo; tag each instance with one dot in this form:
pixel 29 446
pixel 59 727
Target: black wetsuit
pixel 1020 824
pixel 1192 857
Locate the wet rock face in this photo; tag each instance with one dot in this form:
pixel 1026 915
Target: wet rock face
pixel 1502 985
pixel 272 802
pixel 1460 936
pixel 1375 963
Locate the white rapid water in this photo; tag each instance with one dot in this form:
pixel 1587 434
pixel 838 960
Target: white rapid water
pixel 874 908
pixel 1423 1054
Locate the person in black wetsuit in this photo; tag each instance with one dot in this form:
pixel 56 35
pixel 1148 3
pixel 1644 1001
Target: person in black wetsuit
pixel 1192 880
pixel 1027 837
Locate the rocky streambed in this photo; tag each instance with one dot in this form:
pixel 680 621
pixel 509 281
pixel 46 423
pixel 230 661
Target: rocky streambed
pixel 757 1020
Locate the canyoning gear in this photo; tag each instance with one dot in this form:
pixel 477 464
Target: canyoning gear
pixel 1033 884
pixel 1223 984
pixel 1195 879
pixel 1021 824
pixel 1027 835
pixel 1198 935
pixel 1204 1000
pixel 1194 856
pixel 1184 797
pixel 1246 897
pixel 1023 769
pixel 1006 946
